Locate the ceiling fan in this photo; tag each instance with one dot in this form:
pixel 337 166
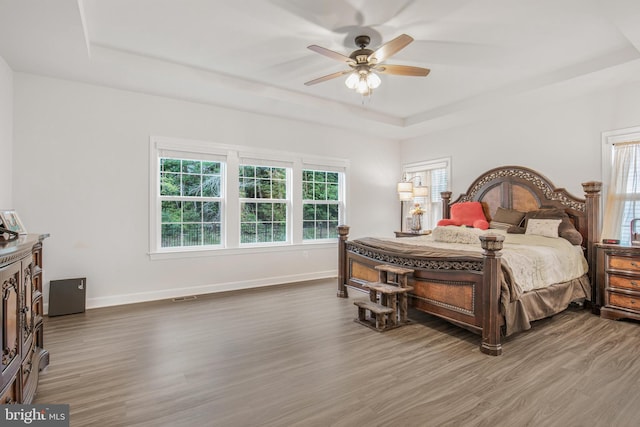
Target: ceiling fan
pixel 365 63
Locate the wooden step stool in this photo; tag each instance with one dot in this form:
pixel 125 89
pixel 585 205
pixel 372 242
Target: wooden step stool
pixel 392 288
pixel 399 276
pixel 381 315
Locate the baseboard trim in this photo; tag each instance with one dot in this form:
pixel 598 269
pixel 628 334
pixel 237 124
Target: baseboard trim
pixel 201 290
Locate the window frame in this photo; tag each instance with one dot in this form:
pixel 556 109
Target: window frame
pixel 609 139
pixel 232 156
pixel 421 167
pixel 339 203
pixel 286 201
pixel 185 198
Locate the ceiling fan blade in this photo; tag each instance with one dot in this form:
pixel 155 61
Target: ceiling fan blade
pixel 390 48
pixel 461 54
pixel 331 54
pixel 327 77
pixel 402 70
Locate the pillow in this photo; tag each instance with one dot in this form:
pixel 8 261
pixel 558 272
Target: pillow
pixel 482 224
pixel 467 213
pixel 500 225
pixel 514 229
pixel 566 230
pixel 506 218
pixel 570 233
pixel 543 227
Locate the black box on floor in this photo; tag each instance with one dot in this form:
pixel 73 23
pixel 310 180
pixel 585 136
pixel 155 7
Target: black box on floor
pixel 67 296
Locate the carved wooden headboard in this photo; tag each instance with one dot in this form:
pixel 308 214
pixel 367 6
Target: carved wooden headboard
pixel 517 187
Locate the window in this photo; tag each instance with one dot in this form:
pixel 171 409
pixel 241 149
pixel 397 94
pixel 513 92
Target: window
pixel 205 196
pixel 622 203
pixel 321 204
pixel 435 175
pixel 190 194
pixel 263 204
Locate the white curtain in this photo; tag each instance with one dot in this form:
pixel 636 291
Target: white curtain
pixel 623 198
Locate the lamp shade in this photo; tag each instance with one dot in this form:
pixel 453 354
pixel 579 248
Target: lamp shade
pixel 352 80
pixel 420 191
pixel 405 187
pixel 362 87
pixel 373 81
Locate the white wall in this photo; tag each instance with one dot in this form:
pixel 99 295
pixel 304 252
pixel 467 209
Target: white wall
pixel 81 174
pixel 560 140
pixel 6 134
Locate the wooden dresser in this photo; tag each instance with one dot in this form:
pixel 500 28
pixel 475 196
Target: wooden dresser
pixel 22 337
pixel 618 281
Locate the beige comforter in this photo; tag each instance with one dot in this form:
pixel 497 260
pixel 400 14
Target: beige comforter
pixel 531 262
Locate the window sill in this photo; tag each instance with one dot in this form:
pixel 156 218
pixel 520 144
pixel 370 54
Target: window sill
pixel 249 250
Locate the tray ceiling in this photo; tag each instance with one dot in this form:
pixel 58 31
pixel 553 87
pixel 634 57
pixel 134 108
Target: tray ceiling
pixel 485 55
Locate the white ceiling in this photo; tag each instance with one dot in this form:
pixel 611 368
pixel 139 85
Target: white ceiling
pixel 484 55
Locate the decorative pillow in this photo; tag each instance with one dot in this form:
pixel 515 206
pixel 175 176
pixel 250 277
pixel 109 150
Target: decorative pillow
pixel 545 213
pixel 500 225
pixel 482 224
pixel 447 221
pixel 506 218
pixel 543 227
pixel 566 230
pixel 467 213
pixel 570 233
pixel 514 229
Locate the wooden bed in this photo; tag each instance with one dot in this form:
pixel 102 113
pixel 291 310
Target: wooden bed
pixel 469 291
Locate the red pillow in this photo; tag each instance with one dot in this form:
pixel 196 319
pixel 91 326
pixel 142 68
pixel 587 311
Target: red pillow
pixel 448 222
pixel 467 213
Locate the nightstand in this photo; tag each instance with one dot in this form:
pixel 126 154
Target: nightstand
pixel 412 234
pixel 617 285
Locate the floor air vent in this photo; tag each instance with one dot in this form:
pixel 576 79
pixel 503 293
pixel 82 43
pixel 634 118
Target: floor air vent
pixel 189 298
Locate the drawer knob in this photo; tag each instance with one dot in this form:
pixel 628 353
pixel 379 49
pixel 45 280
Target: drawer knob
pixel 635 264
pixel 635 284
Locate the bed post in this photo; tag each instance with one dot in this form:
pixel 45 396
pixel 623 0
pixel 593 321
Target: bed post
pixel 343 232
pixel 491 244
pixel 446 199
pixel 592 196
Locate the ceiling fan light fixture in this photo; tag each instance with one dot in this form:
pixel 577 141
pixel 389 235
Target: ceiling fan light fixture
pixel 352 80
pixel 363 81
pixel 363 87
pixel 373 81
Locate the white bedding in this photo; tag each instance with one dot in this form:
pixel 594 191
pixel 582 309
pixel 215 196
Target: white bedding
pixel 535 261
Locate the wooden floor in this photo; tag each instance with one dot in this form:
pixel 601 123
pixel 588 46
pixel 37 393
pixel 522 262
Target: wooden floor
pixel 293 356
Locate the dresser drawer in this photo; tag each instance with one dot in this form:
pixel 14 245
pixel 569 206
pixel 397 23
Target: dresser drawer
pixel 630 264
pixel 624 282
pixel 624 301
pixel 27 366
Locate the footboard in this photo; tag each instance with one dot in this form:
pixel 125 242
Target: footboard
pixel 464 291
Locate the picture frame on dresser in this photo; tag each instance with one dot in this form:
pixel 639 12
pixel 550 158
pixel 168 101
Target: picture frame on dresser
pixel 11 221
